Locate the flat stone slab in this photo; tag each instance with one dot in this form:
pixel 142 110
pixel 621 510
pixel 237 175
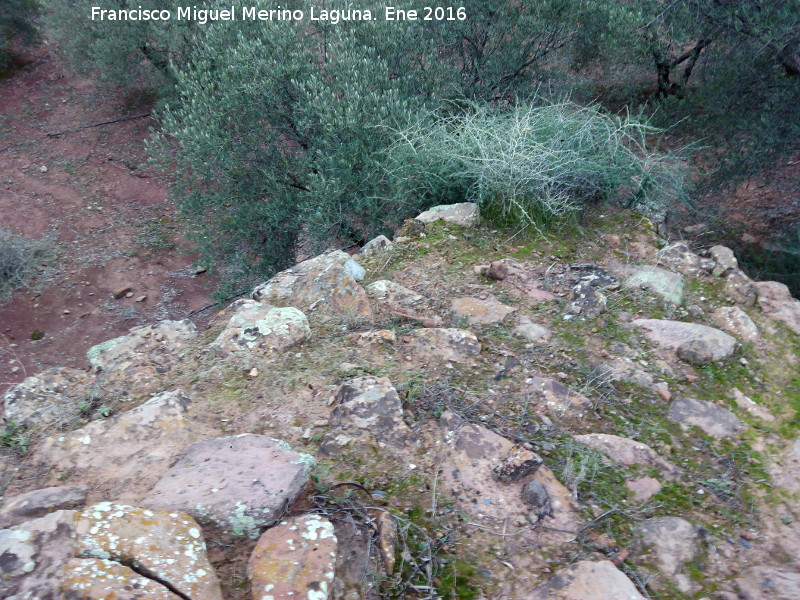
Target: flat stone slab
pixel 457 345
pixel 259 327
pixel 481 312
pixel 587 580
pixel 666 284
pixel 464 214
pixel 628 452
pixel 168 546
pixel 294 559
pixel 239 484
pixel 673 334
pixel 714 420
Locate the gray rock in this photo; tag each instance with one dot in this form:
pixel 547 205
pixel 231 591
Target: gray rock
pixel 724 258
pixel 592 275
pixel 532 331
pixel 586 300
pixel 377 245
pixel 367 409
pixel 54 396
pixel 714 420
pixel 739 288
pixel 464 214
pixel 735 321
pixel 238 484
pixel 663 283
pixel 750 406
pixel 769 581
pixel 535 494
pixel 457 345
pixel 673 334
pixel 556 398
pixel 679 256
pixel 323 287
pixel 777 303
pixel 38 503
pixel 587 580
pixel 673 542
pixel 644 488
pixel 258 327
pixel 696 352
pixel 628 452
pixel 517 463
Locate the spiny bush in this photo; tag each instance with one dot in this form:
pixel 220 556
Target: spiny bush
pixel 18 257
pixel 534 163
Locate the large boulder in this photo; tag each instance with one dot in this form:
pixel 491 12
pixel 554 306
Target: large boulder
pixel 587 580
pixel 139 363
pixel 324 287
pixel 238 485
pixel 464 214
pixel 258 327
pixel 295 559
pixel 122 456
pixel 777 303
pixel 54 396
pixel 673 334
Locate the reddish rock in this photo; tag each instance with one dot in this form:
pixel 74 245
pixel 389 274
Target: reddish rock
pixel 38 503
pixel 99 579
pixel 481 312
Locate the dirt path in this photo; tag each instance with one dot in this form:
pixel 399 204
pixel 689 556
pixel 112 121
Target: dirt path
pixel 105 210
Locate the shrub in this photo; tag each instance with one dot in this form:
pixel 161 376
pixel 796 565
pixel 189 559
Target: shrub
pixel 16 20
pixel 18 258
pixel 534 163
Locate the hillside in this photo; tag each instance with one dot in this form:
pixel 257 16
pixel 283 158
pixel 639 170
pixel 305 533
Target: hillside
pixel 461 412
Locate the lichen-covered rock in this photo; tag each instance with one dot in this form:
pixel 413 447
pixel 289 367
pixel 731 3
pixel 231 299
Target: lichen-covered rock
pixel 397 300
pixel 324 287
pixel 258 327
pixel 457 345
pixel 479 311
pixel 724 258
pixel 99 579
pixel 367 409
pixel 628 452
pixel 673 542
pixel 377 245
pixel 586 300
pixel 139 363
pixel 739 288
pixel 777 303
pixel 516 464
pixel 666 284
pixel 464 214
pixel 679 256
pixel 713 419
pixel 239 484
pixel 673 334
pixel 32 555
pixel 556 398
pixel 54 396
pixel 38 503
pixel 587 580
pixel 294 559
pixel 735 321
pixel 166 546
pixel 123 456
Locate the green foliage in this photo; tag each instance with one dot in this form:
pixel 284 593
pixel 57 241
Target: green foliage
pixel 535 162
pixel 18 258
pixel 16 20
pixel 13 436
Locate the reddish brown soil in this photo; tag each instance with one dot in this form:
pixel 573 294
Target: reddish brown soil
pixel 104 209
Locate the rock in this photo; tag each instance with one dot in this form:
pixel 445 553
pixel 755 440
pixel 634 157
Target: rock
pixel 54 396
pixel 38 503
pixel 400 301
pixel 532 331
pixel 679 256
pixel 587 580
pixel 32 555
pixel 673 334
pixel 629 452
pixel 663 283
pixel 295 559
pixel 627 370
pixel 464 214
pixel 535 494
pixel 99 579
pixel 376 246
pixel 736 322
pixel 518 463
pixel 714 420
pixel 586 300
pixel 556 398
pixel 521 280
pixel 696 352
pixel 481 312
pixel 137 364
pixel 724 258
pixel 777 303
pixel 166 546
pixel 238 484
pixel 593 275
pixel 387 539
pixel 696 229
pixel 786 468
pixel 739 288
pixel 366 409
pixel 769 582
pixel 470 454
pixel 457 345
pixel 750 406
pixel 673 542
pixel 122 456
pixel 644 488
pixel 323 288
pixel 254 326
pixel 121 291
